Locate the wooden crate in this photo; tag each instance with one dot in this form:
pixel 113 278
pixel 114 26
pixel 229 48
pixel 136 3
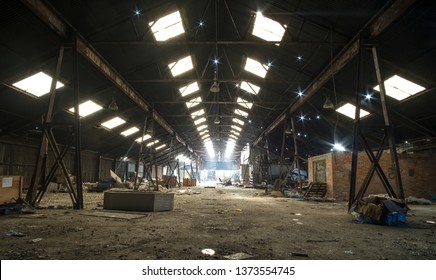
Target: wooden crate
pixel 10 188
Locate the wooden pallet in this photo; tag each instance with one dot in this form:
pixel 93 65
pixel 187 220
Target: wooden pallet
pixel 316 190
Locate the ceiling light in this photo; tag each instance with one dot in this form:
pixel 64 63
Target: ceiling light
pixel 328 104
pixel 113 106
pixel 215 88
pixel 400 88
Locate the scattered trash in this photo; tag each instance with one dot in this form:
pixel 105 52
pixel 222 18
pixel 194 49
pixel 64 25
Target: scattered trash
pixel 299 223
pixel 348 252
pixel 208 252
pixel 238 256
pixel 79 229
pixel 36 240
pixel 418 201
pixel 300 254
pixel 430 222
pixel 297 214
pixel 238 210
pixel 380 210
pixel 15 233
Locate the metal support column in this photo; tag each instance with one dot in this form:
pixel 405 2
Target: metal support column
pixel 389 127
pixel 296 162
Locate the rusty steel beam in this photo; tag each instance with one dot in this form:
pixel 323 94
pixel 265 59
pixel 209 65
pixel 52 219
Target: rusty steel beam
pixel 376 26
pixel 51 17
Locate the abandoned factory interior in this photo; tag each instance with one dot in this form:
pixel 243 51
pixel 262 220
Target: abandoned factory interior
pixel 218 130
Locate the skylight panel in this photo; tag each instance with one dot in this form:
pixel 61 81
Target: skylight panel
pixel 268 29
pixel 205 136
pixel 241 112
pixel 256 67
pixel 181 66
pixel 193 102
pixel 197 113
pixel 167 27
pixel 201 127
pixel 250 88
pixel 232 136
pixel 236 133
pixel 113 122
pixel 349 111
pixel 152 143
pixel 209 148
pixel 235 127
pixel 142 139
pixel 238 121
pixel 87 108
pixel 160 147
pixel 400 88
pixel 199 121
pixel 129 131
pixel 37 84
pixel 204 132
pixel 244 103
pixel 189 89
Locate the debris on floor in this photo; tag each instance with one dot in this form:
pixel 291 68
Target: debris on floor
pixel 380 210
pixel 15 233
pixel 208 252
pixel 238 256
pixel 417 201
pixel 299 254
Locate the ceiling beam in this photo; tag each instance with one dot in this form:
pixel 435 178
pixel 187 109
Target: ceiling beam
pixel 391 12
pixel 56 23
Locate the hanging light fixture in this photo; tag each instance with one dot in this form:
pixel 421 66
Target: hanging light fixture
pixel 215 88
pixel 113 106
pixel 217 120
pixel 328 104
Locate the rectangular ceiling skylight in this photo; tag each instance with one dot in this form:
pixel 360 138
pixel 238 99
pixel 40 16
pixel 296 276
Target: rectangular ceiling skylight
pixel 201 127
pixel 87 108
pixel 189 89
pixel 400 88
pixel 152 143
pixel 256 67
pixel 113 122
pixel 233 136
pixel 244 103
pixel 238 121
pixel 167 27
pixel 241 112
pixel 129 131
pixel 268 29
pixel 160 147
pixel 204 132
pixel 37 84
pixel 142 139
pixel 199 121
pixel 193 102
pixel 181 66
pixel 235 127
pixel 250 88
pixel 236 133
pixel 197 113
pixel 349 110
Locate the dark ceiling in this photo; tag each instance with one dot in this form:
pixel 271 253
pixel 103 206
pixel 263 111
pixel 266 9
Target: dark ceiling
pixel 317 57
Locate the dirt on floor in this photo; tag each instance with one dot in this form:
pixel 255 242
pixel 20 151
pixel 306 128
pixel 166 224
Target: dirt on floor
pixel 233 222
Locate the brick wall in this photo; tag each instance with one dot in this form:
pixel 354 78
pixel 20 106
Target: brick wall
pixel 418 173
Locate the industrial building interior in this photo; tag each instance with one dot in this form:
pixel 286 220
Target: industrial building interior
pixel 255 117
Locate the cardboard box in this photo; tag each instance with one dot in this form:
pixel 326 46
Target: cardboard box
pixel 10 189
